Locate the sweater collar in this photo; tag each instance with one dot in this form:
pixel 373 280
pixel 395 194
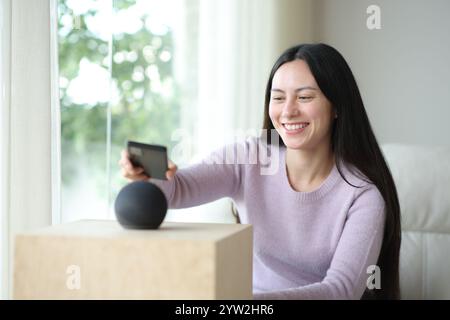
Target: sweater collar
pixel 310 196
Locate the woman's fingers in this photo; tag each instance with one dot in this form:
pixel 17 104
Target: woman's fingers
pixel 135 170
pixel 125 159
pixel 137 173
pixel 128 171
pixel 128 167
pixel 170 173
pixel 134 176
pixel 172 167
pixel 141 177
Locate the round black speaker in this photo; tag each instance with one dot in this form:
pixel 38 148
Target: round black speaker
pixel 140 205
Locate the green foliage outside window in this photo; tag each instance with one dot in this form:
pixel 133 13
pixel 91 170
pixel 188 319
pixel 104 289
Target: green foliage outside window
pixel 145 100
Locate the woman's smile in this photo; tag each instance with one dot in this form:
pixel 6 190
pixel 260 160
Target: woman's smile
pixel 295 128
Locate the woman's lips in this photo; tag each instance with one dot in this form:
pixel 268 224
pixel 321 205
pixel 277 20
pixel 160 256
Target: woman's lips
pixel 295 128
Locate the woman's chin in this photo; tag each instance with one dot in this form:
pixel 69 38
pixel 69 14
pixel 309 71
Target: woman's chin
pixel 296 145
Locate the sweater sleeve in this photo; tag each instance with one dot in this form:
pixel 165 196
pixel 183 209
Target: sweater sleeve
pixel 358 248
pixel 216 176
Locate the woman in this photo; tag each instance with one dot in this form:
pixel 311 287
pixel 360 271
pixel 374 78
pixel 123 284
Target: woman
pixel 330 214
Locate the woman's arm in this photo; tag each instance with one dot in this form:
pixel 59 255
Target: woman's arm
pixel 211 179
pixel 358 248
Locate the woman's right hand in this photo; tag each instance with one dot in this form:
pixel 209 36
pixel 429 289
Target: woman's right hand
pixel 132 173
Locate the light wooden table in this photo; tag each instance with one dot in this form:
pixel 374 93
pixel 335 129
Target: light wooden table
pixel 100 260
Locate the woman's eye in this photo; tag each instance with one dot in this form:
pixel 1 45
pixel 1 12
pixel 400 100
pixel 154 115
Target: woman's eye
pixel 304 98
pixel 277 98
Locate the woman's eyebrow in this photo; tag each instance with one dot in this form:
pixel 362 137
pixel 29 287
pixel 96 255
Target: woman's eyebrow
pixel 296 90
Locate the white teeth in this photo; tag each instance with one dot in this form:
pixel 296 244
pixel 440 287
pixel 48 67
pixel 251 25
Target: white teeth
pixel 295 126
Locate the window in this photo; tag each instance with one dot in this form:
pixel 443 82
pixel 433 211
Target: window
pixel 120 64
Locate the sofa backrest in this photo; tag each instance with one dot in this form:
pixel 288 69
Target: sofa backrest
pixel 422 177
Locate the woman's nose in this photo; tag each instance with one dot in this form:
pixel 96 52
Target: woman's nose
pixel 290 108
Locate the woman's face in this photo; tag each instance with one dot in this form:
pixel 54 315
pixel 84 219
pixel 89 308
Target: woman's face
pixel 299 110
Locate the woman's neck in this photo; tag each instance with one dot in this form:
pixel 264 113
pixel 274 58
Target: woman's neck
pixel 307 169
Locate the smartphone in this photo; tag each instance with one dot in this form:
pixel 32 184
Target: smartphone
pixel 151 157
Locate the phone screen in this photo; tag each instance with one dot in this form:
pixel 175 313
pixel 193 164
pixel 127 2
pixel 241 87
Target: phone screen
pixel 153 158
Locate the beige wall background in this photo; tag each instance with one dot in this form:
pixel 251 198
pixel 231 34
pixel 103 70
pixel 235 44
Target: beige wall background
pixel 403 69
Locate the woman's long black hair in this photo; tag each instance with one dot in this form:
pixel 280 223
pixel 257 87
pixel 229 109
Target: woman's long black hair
pixel 353 142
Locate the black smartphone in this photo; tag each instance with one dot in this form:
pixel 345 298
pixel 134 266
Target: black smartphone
pixel 151 157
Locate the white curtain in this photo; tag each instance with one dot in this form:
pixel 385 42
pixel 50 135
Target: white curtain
pixel 28 71
pixel 4 139
pixel 232 61
pixel 239 40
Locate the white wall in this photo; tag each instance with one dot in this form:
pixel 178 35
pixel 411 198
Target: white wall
pixel 293 24
pixel 403 69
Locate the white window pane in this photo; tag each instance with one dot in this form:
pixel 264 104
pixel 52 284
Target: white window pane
pixel 137 98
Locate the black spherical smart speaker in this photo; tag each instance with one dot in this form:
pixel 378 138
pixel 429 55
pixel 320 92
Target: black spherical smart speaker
pixel 140 205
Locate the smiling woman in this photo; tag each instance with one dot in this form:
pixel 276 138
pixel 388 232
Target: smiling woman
pixel 337 138
pixel 334 218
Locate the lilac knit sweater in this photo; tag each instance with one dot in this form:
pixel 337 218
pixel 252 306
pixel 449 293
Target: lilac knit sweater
pixel 307 245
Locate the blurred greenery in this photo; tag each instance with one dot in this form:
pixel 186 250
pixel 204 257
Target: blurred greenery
pixel 141 111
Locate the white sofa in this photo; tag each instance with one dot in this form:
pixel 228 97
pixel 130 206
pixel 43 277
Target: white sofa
pixel 422 177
